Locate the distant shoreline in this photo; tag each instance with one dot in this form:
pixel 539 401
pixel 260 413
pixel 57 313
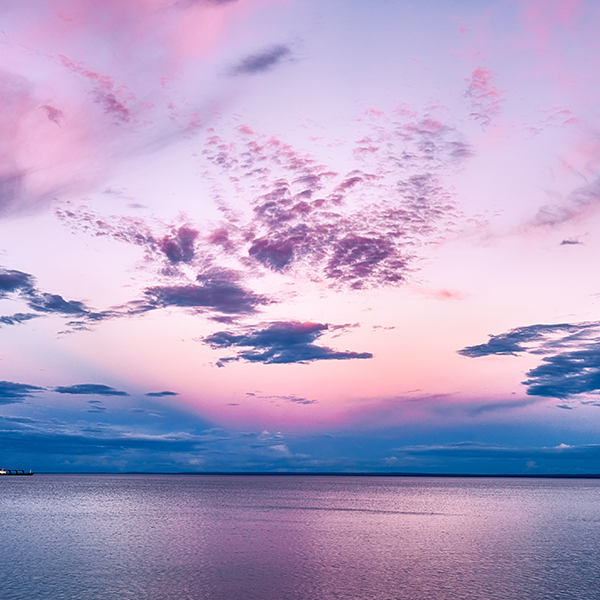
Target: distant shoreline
pixel 335 474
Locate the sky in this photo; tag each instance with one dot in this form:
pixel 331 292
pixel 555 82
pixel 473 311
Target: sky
pixel 300 235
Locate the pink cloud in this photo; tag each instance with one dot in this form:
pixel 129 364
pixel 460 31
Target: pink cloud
pixel 85 85
pixel 485 99
pixel 543 18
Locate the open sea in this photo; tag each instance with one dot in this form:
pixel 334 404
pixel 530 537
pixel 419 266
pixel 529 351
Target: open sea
pixel 172 537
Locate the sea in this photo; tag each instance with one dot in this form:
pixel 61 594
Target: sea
pixel 278 537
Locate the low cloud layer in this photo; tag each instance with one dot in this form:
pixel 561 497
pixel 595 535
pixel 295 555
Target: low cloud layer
pixel 96 389
pixel 15 392
pixel 571 356
pixel 282 342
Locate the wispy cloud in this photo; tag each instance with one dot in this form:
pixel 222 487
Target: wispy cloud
pixel 262 61
pixel 23 286
pixel 580 203
pixel 282 342
pixel 485 99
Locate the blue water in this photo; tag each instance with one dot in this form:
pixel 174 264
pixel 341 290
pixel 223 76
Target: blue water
pixel 155 537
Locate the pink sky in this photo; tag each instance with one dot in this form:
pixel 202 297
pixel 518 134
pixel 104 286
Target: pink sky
pixel 301 217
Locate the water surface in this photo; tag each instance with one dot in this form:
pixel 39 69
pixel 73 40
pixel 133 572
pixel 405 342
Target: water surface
pixel 159 537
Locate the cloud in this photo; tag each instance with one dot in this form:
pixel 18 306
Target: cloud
pixel 485 99
pixel 263 61
pixel 24 287
pixel 354 230
pixel 281 342
pixel 491 453
pixel 521 339
pixel 567 374
pixel 17 318
pixel 571 356
pixel 96 389
pixel 53 303
pixel 15 392
pixel 580 203
pixel 161 394
pixel 358 229
pixel 15 281
pixel 217 290
pixel 179 246
pixel 289 398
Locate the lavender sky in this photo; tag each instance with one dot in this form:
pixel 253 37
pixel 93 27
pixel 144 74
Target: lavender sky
pixel 305 235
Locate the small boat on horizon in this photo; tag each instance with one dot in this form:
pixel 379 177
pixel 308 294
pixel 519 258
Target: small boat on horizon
pixel 14 472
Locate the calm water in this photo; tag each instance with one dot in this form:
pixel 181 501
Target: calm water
pixel 260 538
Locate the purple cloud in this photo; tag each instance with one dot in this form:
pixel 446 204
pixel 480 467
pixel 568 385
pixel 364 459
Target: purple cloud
pixel 581 202
pixel 179 246
pixel 359 229
pixel 15 281
pixel 23 285
pixel 263 61
pixel 484 98
pixel 17 318
pixel 96 389
pixel 218 290
pixel 15 392
pixel 281 342
pixel 571 362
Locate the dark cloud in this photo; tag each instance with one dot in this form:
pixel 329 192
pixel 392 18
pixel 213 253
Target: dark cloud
pixel 17 318
pixel 567 374
pixel 571 242
pixel 15 281
pixel 53 303
pixel 280 343
pixel 96 389
pixel 571 356
pixel 218 290
pixel 23 285
pixel 263 61
pixel 520 339
pixel 527 456
pixel 15 392
pixel 179 246
pixel 161 394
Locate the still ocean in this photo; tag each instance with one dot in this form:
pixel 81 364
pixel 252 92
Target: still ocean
pixel 175 537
